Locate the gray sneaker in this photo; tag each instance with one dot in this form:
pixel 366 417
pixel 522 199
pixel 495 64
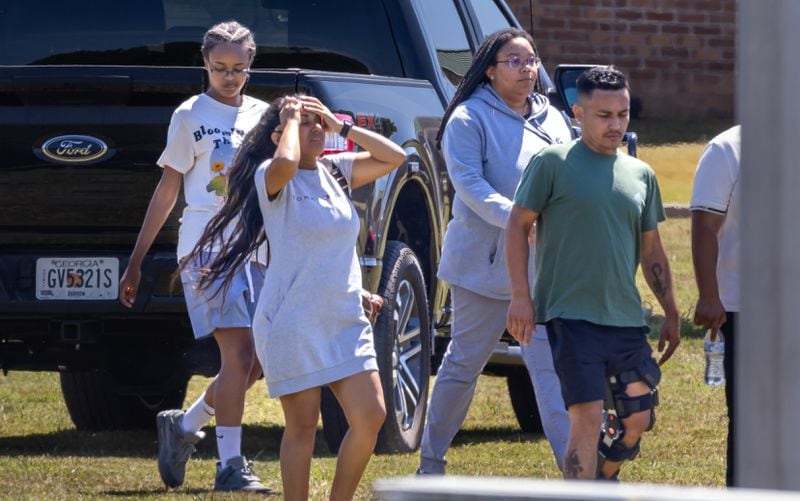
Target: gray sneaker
pixel 238 475
pixel 174 446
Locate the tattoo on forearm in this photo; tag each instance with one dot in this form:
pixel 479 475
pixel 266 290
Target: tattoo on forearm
pixel 572 465
pixel 660 283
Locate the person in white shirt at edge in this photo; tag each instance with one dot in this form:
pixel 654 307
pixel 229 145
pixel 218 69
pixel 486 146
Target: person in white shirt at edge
pixel 310 328
pixel 203 136
pixel 715 210
pixel 498 119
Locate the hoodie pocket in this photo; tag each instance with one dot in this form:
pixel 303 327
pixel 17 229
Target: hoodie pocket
pixel 497 254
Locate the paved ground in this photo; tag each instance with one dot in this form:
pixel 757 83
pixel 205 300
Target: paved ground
pixel 676 210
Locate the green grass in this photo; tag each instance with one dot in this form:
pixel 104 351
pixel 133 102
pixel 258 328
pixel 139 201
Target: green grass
pixel 672 148
pixel 657 132
pixel 674 165
pixel 675 235
pixel 42 456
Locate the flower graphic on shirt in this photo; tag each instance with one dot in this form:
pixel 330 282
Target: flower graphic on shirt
pixel 219 183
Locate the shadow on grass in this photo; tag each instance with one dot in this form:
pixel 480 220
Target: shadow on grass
pixel 195 493
pixel 182 491
pixel 258 442
pixel 688 329
pixel 157 492
pixel 261 441
pixel 483 435
pixel 657 132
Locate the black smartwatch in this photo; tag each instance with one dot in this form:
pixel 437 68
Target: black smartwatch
pixel 346 126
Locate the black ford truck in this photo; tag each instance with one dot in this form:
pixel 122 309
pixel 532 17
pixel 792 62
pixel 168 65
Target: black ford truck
pixel 86 93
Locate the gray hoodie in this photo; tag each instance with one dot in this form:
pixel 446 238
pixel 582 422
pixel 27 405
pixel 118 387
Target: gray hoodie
pixel 486 146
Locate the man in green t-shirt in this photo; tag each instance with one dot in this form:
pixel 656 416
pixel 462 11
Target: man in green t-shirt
pixel 597 212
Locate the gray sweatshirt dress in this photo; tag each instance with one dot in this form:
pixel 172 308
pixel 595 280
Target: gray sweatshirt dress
pixel 309 326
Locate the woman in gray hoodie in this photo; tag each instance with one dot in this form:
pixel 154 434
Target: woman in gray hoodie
pixel 495 123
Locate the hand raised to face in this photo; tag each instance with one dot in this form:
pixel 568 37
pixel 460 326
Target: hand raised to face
pixel 290 109
pixel 328 121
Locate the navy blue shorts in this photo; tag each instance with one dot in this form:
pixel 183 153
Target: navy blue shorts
pixel 586 354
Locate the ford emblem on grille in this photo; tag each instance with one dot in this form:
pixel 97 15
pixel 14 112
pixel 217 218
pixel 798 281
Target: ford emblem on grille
pixel 74 149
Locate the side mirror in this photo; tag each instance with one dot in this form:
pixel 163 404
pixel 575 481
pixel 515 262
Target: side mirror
pixel 566 93
pixel 631 140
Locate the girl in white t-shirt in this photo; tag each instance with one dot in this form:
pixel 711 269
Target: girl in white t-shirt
pixel 310 329
pixel 204 133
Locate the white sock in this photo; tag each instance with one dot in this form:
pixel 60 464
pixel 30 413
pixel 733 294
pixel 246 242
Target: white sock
pixel 229 443
pixel 198 415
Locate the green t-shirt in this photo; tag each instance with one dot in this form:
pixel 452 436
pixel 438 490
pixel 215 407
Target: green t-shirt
pixel 593 210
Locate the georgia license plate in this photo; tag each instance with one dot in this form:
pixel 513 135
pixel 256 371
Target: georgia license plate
pixel 77 278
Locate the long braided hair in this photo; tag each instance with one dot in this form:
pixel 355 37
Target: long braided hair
pixel 476 74
pixel 241 205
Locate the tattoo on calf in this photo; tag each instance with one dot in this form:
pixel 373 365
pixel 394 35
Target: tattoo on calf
pixel 660 280
pixel 572 465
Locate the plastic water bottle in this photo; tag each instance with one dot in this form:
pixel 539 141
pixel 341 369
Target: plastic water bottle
pixel 715 356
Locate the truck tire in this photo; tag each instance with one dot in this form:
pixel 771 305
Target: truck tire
pixel 402 343
pixel 93 404
pixel 523 400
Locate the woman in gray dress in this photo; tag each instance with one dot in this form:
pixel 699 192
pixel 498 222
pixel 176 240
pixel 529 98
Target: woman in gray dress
pixel 310 329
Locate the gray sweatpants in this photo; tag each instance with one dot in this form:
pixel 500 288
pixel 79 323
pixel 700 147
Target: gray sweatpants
pixel 478 323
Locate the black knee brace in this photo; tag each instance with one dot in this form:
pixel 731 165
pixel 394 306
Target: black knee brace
pixel 618 452
pixel 623 405
pixel 618 406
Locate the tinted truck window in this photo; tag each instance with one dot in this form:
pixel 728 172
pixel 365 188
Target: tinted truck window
pixel 489 16
pixel 349 36
pixel 444 28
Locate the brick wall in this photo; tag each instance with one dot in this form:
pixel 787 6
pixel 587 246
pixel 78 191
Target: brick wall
pixel 678 54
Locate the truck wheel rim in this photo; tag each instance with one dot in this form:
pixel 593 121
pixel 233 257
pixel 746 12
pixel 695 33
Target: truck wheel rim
pixel 406 359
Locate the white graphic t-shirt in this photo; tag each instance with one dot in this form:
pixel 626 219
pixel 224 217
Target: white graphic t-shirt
pixel 202 139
